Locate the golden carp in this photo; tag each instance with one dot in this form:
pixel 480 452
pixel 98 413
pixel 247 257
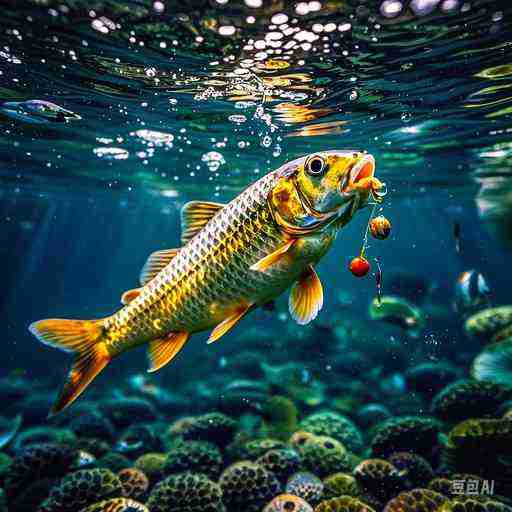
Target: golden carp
pixel 234 258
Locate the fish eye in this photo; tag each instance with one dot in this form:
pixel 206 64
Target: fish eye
pixel 315 166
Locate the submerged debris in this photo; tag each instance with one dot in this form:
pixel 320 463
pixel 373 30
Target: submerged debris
pixel 398 311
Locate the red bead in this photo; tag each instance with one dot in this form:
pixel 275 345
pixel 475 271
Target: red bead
pixel 359 266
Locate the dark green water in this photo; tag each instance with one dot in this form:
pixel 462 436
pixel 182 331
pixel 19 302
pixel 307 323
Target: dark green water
pixel 114 114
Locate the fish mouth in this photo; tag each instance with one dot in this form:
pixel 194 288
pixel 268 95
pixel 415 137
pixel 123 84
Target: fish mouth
pixel 361 179
pixel 364 168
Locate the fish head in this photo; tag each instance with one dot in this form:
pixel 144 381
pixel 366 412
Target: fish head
pixel 325 185
pixel 331 179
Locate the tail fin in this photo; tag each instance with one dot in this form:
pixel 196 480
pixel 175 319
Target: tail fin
pixel 83 338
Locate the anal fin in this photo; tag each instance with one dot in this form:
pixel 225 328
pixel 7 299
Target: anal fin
pixel 274 257
pixel 227 324
pixel 163 350
pixel 306 297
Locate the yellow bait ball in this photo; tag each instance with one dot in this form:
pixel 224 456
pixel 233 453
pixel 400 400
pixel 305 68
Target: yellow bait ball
pixel 380 227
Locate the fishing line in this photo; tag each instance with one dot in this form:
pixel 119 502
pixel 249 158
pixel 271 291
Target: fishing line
pixel 365 237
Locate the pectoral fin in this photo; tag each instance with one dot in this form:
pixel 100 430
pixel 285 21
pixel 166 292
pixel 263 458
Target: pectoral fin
pixel 155 263
pixel 274 257
pixel 227 324
pixel 306 297
pixel 162 351
pixel 195 215
pixel 129 295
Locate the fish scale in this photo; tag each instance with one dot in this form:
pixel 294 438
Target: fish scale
pixel 212 269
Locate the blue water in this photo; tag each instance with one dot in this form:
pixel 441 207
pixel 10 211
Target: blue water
pixel 114 114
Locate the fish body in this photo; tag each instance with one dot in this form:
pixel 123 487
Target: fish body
pixel 234 258
pixel 210 277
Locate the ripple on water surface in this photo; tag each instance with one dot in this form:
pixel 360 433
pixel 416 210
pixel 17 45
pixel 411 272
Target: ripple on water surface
pixel 148 90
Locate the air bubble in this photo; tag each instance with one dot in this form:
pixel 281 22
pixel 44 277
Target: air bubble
pixel 238 119
pixel 266 141
pixel 406 117
pixel 213 160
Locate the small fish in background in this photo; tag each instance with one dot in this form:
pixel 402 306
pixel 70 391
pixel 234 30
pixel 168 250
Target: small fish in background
pixel 456 235
pixel 37 112
pixel 471 291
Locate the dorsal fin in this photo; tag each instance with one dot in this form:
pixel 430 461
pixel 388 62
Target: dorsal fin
pixel 155 263
pixel 195 215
